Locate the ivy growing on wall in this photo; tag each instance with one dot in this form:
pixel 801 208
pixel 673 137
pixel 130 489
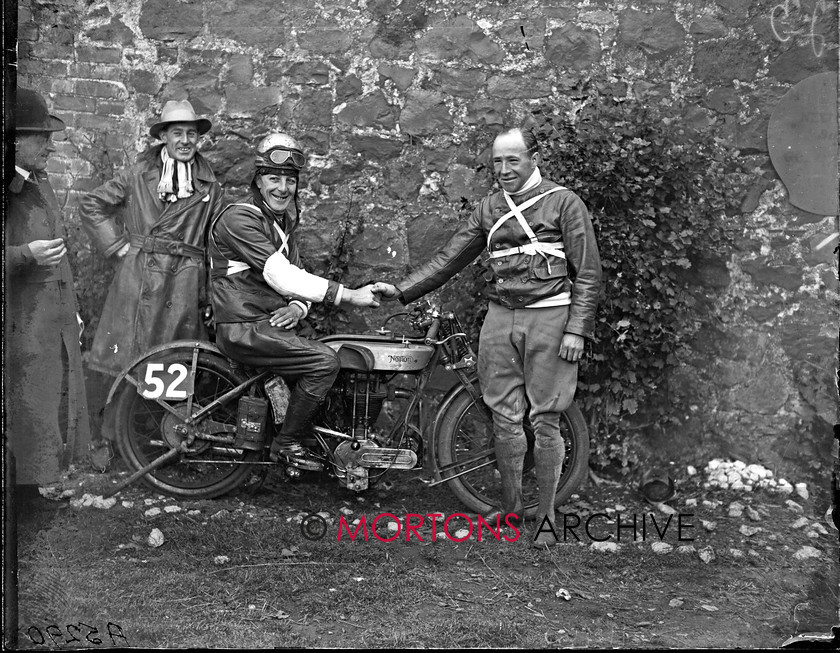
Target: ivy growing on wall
pixel 662 198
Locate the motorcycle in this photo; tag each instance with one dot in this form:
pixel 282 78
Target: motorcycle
pixel 194 424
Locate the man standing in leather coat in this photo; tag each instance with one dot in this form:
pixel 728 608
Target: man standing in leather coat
pixel 166 200
pixel 543 285
pixel 45 402
pixel 260 292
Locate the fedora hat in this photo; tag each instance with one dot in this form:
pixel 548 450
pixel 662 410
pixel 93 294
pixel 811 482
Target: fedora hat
pixel 179 111
pixel 32 115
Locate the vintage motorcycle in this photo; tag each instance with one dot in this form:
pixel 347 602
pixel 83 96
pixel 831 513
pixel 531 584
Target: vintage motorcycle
pixel 194 424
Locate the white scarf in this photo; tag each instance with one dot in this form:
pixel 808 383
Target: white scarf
pixel 166 187
pixel 533 181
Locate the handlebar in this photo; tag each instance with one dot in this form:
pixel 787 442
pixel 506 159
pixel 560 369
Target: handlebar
pixel 431 334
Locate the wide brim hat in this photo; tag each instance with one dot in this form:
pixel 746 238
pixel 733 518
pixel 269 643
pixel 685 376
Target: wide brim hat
pixel 32 114
pixel 179 111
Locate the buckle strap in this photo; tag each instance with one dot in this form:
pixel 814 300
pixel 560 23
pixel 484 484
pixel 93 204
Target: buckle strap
pixel 224 268
pixel 157 245
pixel 535 246
pixel 531 249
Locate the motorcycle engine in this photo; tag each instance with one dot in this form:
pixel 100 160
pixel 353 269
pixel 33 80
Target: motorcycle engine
pixel 350 474
pixel 362 396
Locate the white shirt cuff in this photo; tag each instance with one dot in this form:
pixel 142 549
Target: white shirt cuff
pixel 304 306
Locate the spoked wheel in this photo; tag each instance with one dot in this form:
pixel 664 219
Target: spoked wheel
pixel 147 429
pixel 465 441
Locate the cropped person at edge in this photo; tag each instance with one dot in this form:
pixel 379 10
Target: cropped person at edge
pixel 45 401
pixel 543 284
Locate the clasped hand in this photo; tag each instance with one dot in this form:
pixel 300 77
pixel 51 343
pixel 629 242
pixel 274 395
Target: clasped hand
pixel 287 317
pixel 386 290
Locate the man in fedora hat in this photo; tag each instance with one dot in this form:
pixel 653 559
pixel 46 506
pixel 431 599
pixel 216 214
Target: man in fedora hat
pixel 45 402
pixel 167 199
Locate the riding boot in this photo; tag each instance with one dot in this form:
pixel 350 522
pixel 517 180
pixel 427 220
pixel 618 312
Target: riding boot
pixel 548 465
pixel 510 458
pixel 297 424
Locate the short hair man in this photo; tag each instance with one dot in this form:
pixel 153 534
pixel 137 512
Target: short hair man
pixel 168 197
pixel 545 277
pixel 260 292
pixel 45 399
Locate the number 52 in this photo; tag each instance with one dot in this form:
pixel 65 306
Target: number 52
pixel 160 381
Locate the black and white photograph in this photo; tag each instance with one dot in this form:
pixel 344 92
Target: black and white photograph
pixel 421 324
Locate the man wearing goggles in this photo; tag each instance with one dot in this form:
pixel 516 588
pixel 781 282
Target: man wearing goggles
pixel 260 292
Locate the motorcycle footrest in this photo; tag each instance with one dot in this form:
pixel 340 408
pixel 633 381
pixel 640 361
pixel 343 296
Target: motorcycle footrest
pixel 384 458
pixel 303 463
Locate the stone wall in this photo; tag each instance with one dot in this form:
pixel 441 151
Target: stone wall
pixel 397 102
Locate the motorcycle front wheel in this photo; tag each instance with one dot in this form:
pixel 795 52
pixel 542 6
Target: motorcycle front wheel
pixel 465 441
pixel 146 430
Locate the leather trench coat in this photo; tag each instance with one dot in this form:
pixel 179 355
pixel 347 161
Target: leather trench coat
pixel 160 287
pixel 521 279
pixel 47 423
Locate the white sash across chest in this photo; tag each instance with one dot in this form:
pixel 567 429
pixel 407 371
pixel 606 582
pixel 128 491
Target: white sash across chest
pixel 240 266
pixel 535 246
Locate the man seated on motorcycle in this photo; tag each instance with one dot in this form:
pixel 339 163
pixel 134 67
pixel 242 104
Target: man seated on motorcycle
pixel 260 292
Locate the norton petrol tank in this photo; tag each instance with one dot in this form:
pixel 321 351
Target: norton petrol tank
pixel 372 354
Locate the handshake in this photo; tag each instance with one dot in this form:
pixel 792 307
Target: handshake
pixel 369 295
pixel 287 317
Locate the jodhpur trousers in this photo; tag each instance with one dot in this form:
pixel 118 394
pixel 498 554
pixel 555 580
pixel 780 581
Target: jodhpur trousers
pixel 518 360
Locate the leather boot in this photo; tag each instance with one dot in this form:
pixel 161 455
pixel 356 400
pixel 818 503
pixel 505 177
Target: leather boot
pixel 510 458
pixel 297 424
pixel 548 465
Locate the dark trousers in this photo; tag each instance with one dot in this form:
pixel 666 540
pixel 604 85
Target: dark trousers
pixel 311 364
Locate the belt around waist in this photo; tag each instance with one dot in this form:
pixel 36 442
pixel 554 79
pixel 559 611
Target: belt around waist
pixel 164 246
pixel 39 277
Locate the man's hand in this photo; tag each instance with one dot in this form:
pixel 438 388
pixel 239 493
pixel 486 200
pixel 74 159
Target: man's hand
pixel 48 252
pixel 286 317
pixel 571 347
pixel 386 290
pixel 207 316
pixel 122 251
pixel 364 296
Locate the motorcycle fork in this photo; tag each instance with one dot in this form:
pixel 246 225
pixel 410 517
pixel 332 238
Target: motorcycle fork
pixel 441 473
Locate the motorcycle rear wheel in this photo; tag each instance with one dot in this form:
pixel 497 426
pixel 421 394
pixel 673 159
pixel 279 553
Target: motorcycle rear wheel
pixel 140 425
pixel 466 433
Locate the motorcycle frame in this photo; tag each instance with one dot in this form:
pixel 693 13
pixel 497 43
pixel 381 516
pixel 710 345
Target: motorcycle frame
pixel 428 430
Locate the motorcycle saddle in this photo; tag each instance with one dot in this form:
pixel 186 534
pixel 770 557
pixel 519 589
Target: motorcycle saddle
pixel 356 357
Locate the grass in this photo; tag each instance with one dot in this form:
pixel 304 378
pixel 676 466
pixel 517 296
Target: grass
pixel 276 588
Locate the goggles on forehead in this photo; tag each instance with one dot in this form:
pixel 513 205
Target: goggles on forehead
pixel 282 156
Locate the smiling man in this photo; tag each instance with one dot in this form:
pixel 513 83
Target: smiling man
pixel 543 281
pixel 260 292
pixel 166 202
